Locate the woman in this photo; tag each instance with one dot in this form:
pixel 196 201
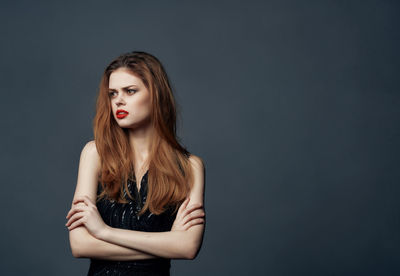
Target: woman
pixel 129 227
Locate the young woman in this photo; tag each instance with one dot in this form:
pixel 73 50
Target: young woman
pixel 138 201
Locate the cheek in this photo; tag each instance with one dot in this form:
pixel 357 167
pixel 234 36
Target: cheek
pixel 113 108
pixel 142 106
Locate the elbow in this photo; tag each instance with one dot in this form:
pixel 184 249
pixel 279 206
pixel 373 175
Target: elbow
pixel 190 256
pixel 192 250
pixel 75 252
pixel 75 249
pixel 76 244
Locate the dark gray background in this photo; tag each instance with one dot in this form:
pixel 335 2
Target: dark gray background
pixel 292 105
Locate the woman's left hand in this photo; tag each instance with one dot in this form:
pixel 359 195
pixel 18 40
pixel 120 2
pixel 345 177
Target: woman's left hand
pixel 188 216
pixel 86 215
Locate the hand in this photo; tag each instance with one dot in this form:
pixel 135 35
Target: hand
pixel 87 215
pixel 188 216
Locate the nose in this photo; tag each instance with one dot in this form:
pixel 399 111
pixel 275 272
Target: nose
pixel 119 100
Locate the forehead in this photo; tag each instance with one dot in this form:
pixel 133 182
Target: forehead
pixel 123 77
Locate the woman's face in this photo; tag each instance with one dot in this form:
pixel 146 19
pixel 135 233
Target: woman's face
pixel 129 98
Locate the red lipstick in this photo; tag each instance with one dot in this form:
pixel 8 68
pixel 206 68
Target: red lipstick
pixel 121 113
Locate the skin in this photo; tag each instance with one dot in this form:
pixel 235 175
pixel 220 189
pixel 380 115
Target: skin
pixel 128 92
pixel 85 224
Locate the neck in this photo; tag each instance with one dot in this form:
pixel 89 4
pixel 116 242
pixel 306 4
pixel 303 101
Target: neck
pixel 140 142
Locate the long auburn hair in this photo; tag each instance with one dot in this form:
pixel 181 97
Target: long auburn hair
pixel 170 176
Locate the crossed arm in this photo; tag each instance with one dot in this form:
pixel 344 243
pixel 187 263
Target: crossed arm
pixel 172 244
pixel 84 245
pixel 122 244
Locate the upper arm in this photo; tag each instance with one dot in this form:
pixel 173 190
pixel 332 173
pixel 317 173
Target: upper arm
pixel 198 188
pixel 197 197
pixel 89 168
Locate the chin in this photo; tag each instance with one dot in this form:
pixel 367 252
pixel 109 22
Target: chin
pixel 125 125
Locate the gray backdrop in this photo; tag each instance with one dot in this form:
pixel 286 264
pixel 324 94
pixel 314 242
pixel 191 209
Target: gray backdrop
pixel 293 106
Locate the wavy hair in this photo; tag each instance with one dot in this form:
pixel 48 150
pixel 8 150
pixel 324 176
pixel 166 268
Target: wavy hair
pixel 169 172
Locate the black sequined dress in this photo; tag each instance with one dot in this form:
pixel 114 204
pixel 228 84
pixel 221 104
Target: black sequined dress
pixel 124 215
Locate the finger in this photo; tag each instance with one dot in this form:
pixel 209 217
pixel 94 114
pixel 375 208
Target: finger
pixel 77 204
pixel 77 199
pixel 76 209
pixel 84 202
pixel 77 223
pixel 80 199
pixel 192 216
pixel 195 206
pixel 195 212
pixel 84 199
pixel 183 206
pixel 187 212
pixel 74 218
pixel 194 222
pixel 191 208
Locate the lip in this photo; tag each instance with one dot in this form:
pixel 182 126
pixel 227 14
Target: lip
pixel 121 115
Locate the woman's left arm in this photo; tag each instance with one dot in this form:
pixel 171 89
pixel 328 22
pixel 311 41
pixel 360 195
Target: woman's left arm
pixel 173 244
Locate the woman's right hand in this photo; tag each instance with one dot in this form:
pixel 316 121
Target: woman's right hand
pixel 187 216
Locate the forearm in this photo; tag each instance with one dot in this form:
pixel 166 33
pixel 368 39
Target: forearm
pixel 84 245
pixel 170 244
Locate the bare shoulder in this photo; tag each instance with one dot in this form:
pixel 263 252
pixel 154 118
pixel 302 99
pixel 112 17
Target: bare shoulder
pixel 90 148
pixel 90 145
pixel 197 191
pixel 89 154
pixel 197 163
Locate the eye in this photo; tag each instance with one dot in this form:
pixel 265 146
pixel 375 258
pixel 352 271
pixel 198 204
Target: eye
pixel 131 91
pixel 111 93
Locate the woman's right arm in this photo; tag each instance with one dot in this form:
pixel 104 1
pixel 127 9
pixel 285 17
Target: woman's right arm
pixel 82 243
pixel 88 246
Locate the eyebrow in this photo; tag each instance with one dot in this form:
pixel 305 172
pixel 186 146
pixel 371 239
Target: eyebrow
pixel 123 87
